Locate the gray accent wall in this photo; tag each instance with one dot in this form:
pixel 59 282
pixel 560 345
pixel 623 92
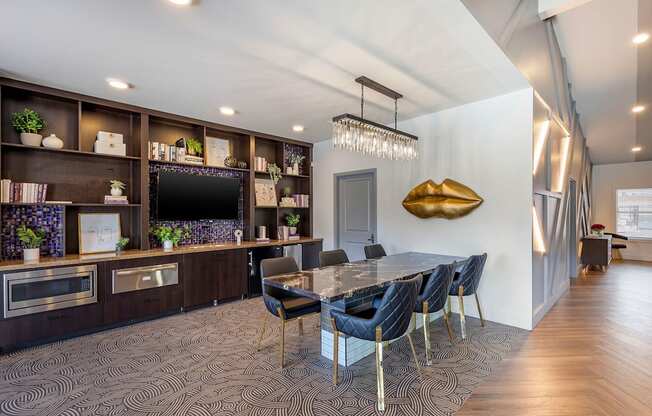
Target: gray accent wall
pixel 532 45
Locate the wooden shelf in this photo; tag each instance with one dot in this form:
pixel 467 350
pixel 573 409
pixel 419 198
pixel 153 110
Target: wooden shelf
pixel 266 207
pixel 74 204
pixel 283 174
pixel 67 151
pixel 169 162
pixel 294 207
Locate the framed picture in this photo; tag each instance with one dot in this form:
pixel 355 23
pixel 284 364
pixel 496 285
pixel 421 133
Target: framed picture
pixel 216 151
pixel 98 232
pixel 265 193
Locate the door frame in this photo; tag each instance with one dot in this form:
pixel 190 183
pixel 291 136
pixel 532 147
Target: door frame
pixel 336 199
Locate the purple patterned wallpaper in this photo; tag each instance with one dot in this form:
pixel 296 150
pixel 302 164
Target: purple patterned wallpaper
pixel 204 231
pixel 293 149
pixel 50 218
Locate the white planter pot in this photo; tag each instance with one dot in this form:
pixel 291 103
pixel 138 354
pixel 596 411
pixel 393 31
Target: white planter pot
pixel 293 230
pixel 116 191
pixel 295 168
pixel 31 139
pixel 53 142
pixel 31 255
pixel 168 246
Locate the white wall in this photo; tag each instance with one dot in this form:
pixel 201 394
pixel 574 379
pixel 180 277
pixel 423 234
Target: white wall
pixel 485 145
pixel 606 180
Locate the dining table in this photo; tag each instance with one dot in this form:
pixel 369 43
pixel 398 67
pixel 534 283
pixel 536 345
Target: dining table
pixel 351 287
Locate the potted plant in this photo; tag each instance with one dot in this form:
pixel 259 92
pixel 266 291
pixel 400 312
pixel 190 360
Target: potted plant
pixel 598 229
pixel 287 192
pixel 296 161
pixel 194 147
pixel 169 236
pixel 117 187
pixel 274 172
pixel 121 244
pixel 28 123
pixel 32 241
pixel 292 221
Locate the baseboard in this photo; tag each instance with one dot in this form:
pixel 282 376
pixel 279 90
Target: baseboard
pixel 542 310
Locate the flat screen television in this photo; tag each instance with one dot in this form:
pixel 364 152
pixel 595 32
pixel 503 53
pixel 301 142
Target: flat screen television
pixel 184 197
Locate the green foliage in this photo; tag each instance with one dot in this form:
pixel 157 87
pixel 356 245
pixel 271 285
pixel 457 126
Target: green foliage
pixel 28 121
pixel 287 191
pixel 165 233
pixel 274 172
pixel 122 243
pixel 29 237
pixel 117 184
pixel 294 158
pixel 194 146
pixel 292 220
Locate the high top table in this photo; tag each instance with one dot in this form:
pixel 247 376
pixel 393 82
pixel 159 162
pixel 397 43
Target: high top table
pixel 351 287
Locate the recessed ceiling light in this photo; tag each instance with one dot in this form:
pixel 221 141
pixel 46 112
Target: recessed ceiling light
pixel 118 84
pixel 636 149
pixel 298 128
pixel 227 111
pixel 641 38
pixel 638 109
pixel 181 2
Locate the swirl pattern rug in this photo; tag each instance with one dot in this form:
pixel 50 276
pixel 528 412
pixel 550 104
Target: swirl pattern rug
pixel 205 363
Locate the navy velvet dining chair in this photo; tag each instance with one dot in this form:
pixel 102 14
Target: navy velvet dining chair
pixel 432 298
pixel 388 321
pixel 466 283
pixel 374 251
pixel 332 258
pixel 281 303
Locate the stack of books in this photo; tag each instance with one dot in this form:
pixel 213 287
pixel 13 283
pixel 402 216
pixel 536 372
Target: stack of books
pixel 260 164
pixel 302 200
pixel 194 160
pixel 168 153
pixel 23 192
pixel 115 200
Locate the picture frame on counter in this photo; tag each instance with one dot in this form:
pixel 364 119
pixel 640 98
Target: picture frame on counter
pixel 98 232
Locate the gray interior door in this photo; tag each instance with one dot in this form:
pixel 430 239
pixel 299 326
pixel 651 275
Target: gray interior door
pixel 356 212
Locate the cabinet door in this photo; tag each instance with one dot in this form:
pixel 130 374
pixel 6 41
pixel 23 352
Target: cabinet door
pixel 200 279
pixel 141 304
pixel 232 274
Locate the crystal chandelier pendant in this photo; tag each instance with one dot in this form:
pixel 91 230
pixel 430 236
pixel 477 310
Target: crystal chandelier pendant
pixel 356 134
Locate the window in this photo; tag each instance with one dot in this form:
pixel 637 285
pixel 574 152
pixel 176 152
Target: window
pixel 634 212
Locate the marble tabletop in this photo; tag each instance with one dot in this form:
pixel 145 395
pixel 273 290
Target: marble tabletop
pixel 329 284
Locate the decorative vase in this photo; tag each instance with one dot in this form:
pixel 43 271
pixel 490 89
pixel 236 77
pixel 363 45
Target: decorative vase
pixel 230 162
pixel 31 139
pixel 293 230
pixel 289 170
pixel 295 168
pixel 116 191
pixel 168 245
pixel 31 255
pixel 53 142
pixel 242 164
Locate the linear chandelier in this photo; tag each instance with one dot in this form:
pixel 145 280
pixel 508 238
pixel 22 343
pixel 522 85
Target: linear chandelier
pixel 356 134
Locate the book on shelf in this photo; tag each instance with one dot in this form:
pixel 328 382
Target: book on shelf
pixel 23 192
pixel 168 153
pixel 301 200
pixel 115 200
pixel 294 237
pixel 262 240
pixel 58 202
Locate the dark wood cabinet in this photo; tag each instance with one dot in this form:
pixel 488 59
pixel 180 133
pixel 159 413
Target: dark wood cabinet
pixel 231 274
pixel 200 279
pixel 141 304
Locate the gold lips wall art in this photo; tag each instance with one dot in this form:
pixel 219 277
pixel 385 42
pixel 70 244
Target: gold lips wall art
pixel 449 200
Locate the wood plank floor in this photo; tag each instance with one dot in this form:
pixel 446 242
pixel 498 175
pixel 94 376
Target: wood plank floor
pixel 591 355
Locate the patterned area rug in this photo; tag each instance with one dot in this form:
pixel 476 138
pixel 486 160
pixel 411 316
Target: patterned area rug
pixel 205 363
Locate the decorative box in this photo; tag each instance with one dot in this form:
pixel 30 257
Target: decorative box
pixel 108 137
pixel 116 149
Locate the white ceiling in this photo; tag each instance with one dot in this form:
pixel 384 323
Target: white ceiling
pixel 277 62
pixel 596 38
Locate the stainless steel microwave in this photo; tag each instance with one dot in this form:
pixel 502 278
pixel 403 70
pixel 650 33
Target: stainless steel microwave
pixel 44 290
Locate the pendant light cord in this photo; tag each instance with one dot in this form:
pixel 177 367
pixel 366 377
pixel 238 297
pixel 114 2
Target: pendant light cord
pixel 362 101
pixel 395 114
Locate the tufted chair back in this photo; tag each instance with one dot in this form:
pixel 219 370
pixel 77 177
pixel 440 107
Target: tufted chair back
pixel 392 315
pixel 273 267
pixel 471 273
pixel 333 257
pixel 435 289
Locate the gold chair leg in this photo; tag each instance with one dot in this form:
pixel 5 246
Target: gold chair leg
pixel 300 322
pixel 448 328
pixel 477 302
pixel 426 331
pixel 414 353
pixel 380 382
pixel 448 306
pixel 336 354
pixel 282 316
pixel 262 333
pixel 460 296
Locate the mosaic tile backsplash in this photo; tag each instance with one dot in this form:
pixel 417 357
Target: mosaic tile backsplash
pixel 46 217
pixel 204 231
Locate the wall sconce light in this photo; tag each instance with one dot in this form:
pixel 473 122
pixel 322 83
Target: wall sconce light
pixel 537 233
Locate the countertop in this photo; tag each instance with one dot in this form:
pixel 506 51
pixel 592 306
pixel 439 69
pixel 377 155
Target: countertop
pixel 76 259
